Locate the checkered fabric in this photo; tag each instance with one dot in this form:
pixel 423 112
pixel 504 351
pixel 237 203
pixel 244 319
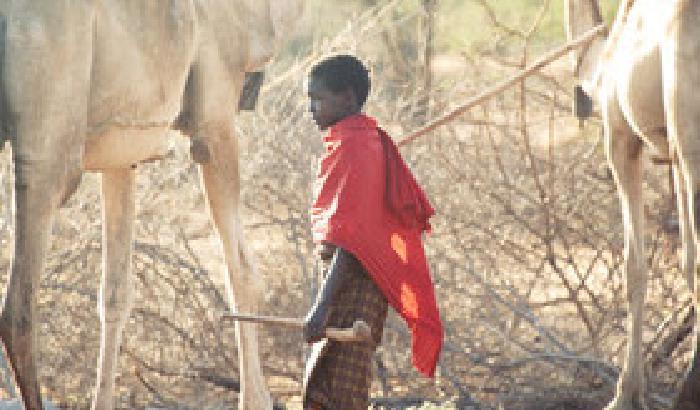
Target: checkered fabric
pixel 339 374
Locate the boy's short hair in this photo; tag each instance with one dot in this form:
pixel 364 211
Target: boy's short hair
pixel 341 72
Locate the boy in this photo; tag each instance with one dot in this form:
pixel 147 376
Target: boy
pixel 368 216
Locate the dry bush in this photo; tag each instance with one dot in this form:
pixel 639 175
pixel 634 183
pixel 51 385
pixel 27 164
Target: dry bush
pixel 526 251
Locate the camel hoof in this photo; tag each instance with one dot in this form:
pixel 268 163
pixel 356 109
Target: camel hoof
pixel 16 404
pixel 619 404
pixel 262 401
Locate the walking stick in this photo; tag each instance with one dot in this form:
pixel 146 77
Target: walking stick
pixel 359 332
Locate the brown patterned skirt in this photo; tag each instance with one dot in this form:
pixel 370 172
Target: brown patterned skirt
pixel 338 375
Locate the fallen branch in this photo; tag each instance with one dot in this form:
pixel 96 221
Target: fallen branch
pixel 561 357
pixel 529 70
pixel 401 402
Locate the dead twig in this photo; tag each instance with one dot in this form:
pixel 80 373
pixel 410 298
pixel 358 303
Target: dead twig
pixel 499 88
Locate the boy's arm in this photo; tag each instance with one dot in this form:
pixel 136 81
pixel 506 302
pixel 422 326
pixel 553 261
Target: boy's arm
pixel 341 268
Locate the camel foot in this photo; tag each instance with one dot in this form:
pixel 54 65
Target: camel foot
pixel 255 398
pixel 262 402
pixel 16 404
pixel 619 403
pixel 16 338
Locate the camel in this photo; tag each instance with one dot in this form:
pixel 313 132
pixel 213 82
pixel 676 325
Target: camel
pixel 95 86
pixel 644 77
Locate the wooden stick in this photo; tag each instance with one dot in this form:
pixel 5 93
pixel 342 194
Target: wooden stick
pixel 499 88
pixel 273 320
pixel 359 332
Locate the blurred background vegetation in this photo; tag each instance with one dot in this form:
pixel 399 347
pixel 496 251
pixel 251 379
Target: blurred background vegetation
pixel 461 26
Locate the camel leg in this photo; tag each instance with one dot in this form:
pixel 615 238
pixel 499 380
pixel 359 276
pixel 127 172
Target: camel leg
pixel 689 395
pixel 46 71
pixel 41 181
pixel 35 209
pixel 117 288
pixel 686 229
pixel 244 285
pixel 680 56
pixel 624 151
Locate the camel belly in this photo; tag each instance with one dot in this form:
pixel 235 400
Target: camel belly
pixel 143 52
pixel 142 56
pixel 123 148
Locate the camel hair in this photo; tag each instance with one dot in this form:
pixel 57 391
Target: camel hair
pixel 643 76
pixel 95 86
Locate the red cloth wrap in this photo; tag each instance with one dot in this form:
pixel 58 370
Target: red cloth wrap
pixel 367 202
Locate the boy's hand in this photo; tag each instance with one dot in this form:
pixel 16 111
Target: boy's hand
pixel 325 251
pixel 315 324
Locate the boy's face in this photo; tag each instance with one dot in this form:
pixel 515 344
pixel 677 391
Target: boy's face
pixel 328 107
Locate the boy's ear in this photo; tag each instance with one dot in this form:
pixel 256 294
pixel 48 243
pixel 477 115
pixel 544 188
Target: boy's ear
pixel 349 97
